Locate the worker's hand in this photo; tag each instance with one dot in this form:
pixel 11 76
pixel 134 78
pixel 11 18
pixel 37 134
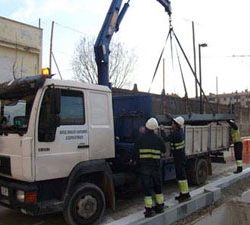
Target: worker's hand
pixel 169 116
pixel 132 162
pixel 161 127
pixel 142 130
pixel 164 155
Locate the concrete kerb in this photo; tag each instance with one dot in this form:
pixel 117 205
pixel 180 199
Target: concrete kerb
pixel 201 198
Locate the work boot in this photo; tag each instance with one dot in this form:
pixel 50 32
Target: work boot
pixel 239 170
pixel 149 212
pixel 159 208
pixel 183 197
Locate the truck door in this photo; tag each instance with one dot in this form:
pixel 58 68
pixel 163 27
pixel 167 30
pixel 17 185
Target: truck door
pixel 62 133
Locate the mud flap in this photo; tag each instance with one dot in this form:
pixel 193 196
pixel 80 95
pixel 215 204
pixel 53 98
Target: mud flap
pixel 109 191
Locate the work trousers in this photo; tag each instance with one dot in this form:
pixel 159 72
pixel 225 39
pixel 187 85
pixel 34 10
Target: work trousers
pixel 180 164
pixel 151 180
pixel 238 151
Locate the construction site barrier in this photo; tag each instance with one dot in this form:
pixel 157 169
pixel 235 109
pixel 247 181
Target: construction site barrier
pixel 246 151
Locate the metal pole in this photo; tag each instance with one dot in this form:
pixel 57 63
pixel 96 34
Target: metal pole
pixel 195 70
pixel 217 97
pixel 51 46
pixel 163 78
pixel 201 103
pixel 201 108
pixel 164 73
pixel 186 58
pixel 57 66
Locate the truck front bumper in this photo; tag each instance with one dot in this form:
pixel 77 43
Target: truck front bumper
pixel 8 196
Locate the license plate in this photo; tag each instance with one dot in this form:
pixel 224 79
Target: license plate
pixel 4 191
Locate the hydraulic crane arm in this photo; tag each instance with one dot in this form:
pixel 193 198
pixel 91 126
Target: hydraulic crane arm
pixel 110 25
pixel 166 5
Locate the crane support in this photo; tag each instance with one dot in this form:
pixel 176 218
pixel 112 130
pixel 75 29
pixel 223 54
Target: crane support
pixel 110 25
pixel 166 4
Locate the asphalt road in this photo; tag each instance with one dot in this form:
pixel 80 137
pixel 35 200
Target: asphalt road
pixel 10 217
pixel 125 206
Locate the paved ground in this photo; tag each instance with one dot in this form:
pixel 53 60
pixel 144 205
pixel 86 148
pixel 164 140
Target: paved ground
pixel 124 206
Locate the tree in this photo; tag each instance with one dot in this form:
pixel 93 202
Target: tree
pixel 121 63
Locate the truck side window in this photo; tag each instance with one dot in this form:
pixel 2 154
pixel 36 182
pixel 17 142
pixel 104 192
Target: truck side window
pixel 71 113
pixel 72 108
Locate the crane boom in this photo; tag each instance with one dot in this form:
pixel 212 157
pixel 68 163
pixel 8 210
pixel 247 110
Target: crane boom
pixel 110 25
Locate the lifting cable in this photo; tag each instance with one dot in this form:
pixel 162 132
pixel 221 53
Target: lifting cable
pixel 198 82
pixel 183 81
pixel 185 56
pixel 159 60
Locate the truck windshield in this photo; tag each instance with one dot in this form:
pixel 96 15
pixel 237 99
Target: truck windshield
pixel 15 114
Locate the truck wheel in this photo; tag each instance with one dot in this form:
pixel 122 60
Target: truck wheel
pixel 197 171
pixel 201 171
pixel 85 205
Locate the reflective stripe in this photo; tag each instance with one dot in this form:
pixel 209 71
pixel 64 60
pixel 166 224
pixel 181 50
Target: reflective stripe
pixel 235 135
pixel 183 186
pixel 159 198
pixel 150 154
pixel 148 201
pixel 178 145
pixel 239 163
pixel 150 151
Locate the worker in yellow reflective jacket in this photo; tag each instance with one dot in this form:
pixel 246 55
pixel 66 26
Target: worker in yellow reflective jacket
pixel 236 140
pixel 177 143
pixel 149 147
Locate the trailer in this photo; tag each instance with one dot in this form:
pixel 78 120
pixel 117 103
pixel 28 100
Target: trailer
pixel 207 136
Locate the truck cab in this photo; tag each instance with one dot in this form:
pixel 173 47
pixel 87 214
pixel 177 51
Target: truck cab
pixel 56 128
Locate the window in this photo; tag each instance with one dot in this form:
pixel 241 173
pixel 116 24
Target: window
pixel 71 112
pixel 99 108
pixel 72 108
pixel 15 113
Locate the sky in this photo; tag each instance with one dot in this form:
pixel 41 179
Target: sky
pixel 223 25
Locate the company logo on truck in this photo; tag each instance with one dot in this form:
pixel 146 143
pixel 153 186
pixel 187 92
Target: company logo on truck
pixel 72 134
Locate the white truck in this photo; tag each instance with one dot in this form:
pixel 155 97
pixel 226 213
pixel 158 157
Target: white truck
pixel 59 152
pixel 69 146
pixel 54 153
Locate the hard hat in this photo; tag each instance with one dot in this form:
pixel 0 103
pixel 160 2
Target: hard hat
pixel 179 120
pixel 152 124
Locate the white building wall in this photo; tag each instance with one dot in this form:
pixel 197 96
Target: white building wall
pixel 20 49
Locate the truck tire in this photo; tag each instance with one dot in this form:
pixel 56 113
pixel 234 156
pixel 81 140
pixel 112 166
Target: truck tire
pixel 197 171
pixel 201 172
pixel 85 205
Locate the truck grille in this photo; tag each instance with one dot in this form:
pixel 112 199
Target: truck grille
pixel 5 165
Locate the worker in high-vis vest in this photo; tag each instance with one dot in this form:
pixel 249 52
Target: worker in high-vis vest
pixel 177 144
pixel 236 140
pixel 149 147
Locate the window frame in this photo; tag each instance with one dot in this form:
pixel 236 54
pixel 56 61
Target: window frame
pixel 74 93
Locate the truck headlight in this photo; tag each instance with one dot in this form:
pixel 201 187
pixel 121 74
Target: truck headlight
pixel 20 195
pixel 26 197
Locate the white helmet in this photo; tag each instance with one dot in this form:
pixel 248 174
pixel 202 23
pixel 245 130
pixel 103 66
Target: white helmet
pixel 152 124
pixel 179 120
